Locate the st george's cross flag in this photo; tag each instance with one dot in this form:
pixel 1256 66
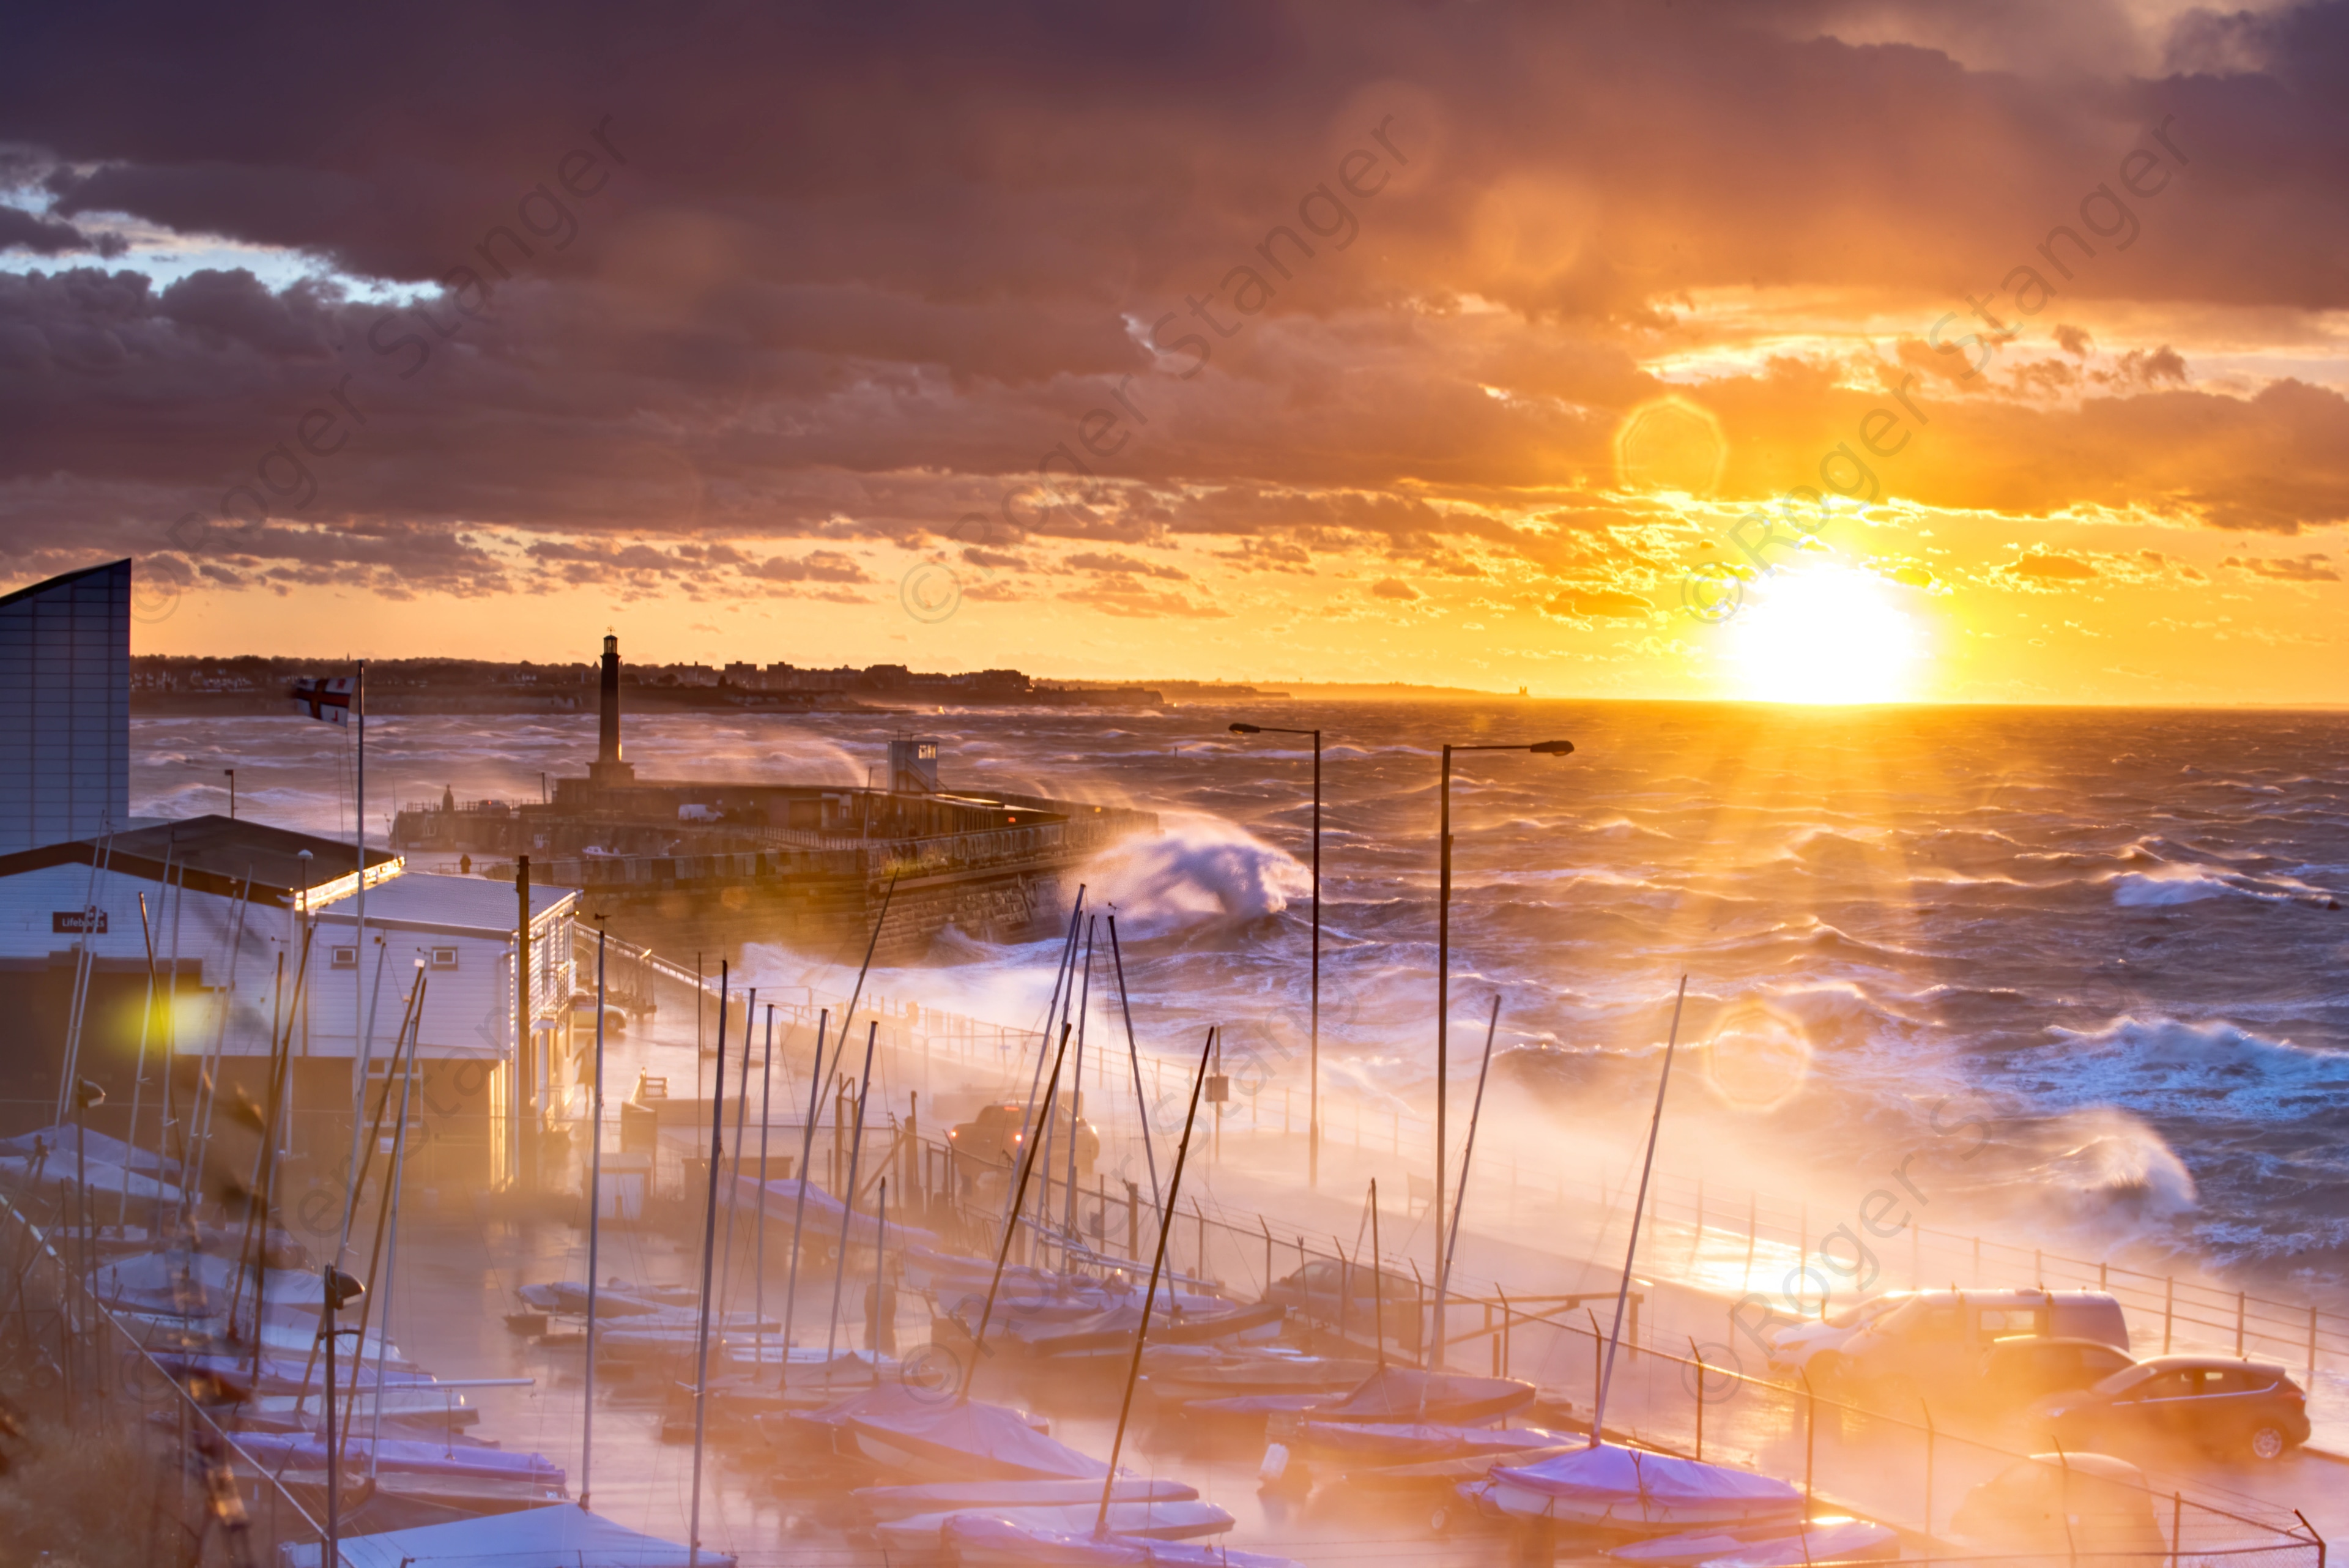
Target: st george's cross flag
pixel 328 699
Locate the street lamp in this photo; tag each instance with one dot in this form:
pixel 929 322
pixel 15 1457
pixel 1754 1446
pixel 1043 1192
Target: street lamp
pixel 1443 982
pixel 1313 1094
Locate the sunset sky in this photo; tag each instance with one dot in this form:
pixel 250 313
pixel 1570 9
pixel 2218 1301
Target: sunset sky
pixel 1476 344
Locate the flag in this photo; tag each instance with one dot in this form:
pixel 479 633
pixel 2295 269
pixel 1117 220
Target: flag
pixel 327 700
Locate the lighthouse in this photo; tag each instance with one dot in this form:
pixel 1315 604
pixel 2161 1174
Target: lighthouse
pixel 607 769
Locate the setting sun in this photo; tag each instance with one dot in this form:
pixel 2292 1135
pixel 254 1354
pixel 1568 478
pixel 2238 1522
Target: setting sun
pixel 1825 634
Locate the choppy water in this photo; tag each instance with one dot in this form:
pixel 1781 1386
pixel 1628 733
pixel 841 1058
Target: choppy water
pixel 2114 936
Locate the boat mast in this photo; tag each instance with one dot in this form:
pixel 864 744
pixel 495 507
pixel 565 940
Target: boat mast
pixel 1460 1196
pixel 758 1225
pixel 1149 1296
pixel 1631 1251
pixel 1134 1056
pixel 595 1213
pixel 798 1205
pixel 848 1198
pixel 1010 1225
pixel 709 1240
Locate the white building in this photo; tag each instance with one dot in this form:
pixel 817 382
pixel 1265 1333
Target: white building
pixel 226 906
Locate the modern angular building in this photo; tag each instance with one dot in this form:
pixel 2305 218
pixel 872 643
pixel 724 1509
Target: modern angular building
pixel 64 708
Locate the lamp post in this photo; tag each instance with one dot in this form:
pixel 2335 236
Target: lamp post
pixel 1313 1091
pixel 1443 982
pixel 339 1291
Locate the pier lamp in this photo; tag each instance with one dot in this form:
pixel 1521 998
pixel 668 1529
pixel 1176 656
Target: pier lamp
pixel 1443 978
pixel 1313 1094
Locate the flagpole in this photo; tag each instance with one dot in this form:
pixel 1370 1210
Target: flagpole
pixel 358 918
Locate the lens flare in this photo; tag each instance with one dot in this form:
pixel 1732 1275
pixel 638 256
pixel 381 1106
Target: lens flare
pixel 1757 1059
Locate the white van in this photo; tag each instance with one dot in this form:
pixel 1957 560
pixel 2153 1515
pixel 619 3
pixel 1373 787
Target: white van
pixel 1939 1338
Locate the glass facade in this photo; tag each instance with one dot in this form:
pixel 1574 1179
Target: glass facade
pixel 64 708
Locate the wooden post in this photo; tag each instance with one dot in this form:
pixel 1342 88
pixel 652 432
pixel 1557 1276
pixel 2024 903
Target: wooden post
pixel 2240 1300
pixel 2168 1307
pixel 1698 1356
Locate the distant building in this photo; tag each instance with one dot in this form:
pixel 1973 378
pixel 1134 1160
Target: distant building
pixel 64 708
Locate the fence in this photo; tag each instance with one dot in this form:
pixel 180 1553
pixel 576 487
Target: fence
pixel 141 1470
pixel 1726 1242
pixel 1920 1469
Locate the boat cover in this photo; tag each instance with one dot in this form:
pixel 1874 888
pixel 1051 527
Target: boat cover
pixel 1393 1394
pixel 1375 1442
pixel 822 1213
pixel 966 1440
pixel 1846 1541
pixel 562 1533
pixel 949 1497
pixel 978 1538
pixel 1158 1520
pixel 60 1142
pixel 307 1452
pixel 1114 1329
pixel 1636 1488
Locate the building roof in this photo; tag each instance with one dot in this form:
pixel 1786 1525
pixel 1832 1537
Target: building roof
pixel 57 582
pixel 218 855
pixel 470 904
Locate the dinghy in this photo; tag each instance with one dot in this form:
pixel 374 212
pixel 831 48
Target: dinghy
pixel 1109 1335
pixel 886 1503
pixel 1393 1394
pixel 1612 1487
pixel 1155 1521
pixel 911 1432
pixel 1374 1443
pixel 307 1452
pixel 1180 1374
pixel 1836 1538
pixel 535 1538
pixel 988 1540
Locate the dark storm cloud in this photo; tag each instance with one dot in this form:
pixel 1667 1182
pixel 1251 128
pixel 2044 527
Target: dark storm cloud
pixel 848 272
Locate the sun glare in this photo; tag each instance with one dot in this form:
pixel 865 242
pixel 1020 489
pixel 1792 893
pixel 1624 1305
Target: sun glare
pixel 1824 634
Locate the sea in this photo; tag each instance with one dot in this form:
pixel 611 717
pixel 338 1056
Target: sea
pixel 2099 953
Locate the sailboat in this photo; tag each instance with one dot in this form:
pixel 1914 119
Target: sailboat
pixel 1610 1486
pixel 1049 1535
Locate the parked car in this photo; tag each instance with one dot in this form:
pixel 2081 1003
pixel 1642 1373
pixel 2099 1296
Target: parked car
pixel 1935 1340
pixel 2067 1507
pixel 2022 1369
pixel 1343 1296
pixel 1794 1344
pixel 2221 1404
pixel 992 1139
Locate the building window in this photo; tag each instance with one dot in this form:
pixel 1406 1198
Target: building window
pixel 343 958
pixel 444 958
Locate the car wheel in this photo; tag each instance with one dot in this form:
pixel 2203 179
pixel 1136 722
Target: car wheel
pixel 2266 1443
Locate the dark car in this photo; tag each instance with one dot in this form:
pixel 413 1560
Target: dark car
pixel 2022 1368
pixel 2216 1403
pixel 994 1137
pixel 1349 1298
